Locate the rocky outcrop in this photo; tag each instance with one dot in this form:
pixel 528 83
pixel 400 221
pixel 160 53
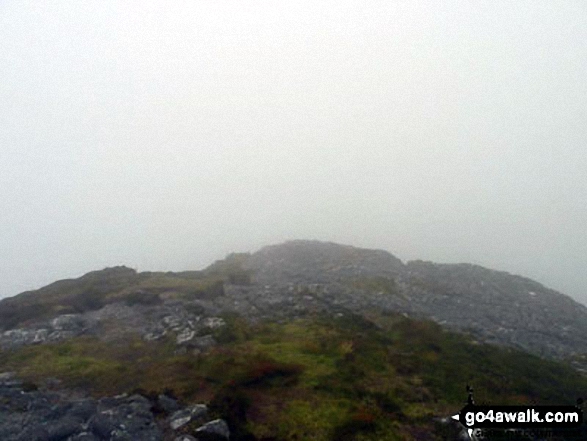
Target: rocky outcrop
pixel 297 278
pixel 495 306
pixel 28 414
pixel 117 321
pixel 184 416
pixel 60 328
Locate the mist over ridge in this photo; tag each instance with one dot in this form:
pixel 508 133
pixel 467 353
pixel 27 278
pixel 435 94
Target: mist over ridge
pixel 163 137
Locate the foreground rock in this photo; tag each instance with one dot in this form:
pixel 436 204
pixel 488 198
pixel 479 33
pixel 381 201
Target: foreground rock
pixel 27 414
pixel 185 416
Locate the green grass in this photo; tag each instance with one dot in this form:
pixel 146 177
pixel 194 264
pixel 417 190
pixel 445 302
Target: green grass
pixel 316 378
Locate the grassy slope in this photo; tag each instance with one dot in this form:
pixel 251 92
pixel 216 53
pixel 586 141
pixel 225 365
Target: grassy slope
pixel 314 378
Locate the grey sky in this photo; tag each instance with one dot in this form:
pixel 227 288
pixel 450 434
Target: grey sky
pixel 163 135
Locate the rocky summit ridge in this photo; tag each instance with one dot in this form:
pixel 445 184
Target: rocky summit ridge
pixel 178 322
pixel 495 306
pixel 296 278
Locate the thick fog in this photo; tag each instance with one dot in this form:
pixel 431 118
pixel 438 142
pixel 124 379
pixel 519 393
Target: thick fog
pixel 164 135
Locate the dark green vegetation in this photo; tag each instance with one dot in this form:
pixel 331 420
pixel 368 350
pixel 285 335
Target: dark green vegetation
pixel 318 378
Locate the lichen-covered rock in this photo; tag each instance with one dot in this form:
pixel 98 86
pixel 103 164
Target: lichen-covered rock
pixel 185 416
pixel 213 322
pixel 67 322
pixel 185 336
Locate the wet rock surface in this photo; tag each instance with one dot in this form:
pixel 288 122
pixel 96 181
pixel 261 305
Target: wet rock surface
pixel 27 414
